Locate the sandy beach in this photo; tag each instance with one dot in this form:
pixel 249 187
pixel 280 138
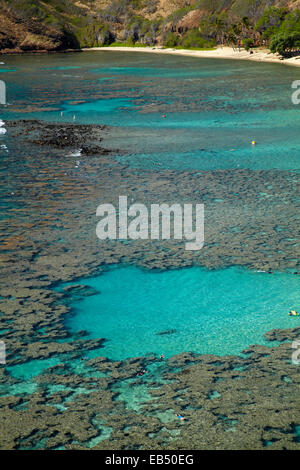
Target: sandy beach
pixel 259 55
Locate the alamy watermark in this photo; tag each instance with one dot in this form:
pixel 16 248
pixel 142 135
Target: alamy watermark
pixel 296 93
pixel 160 222
pixel 2 353
pixel 296 354
pixel 2 92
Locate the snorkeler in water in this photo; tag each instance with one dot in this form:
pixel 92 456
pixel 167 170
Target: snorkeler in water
pixel 293 313
pixel 182 418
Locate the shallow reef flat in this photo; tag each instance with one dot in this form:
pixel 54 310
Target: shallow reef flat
pixel 79 399
pixel 229 402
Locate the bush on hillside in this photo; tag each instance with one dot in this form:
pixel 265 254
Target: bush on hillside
pixel 194 39
pixel 171 40
pixel 285 43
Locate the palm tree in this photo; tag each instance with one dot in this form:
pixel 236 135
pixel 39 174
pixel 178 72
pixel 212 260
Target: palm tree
pixel 220 27
pixel 236 32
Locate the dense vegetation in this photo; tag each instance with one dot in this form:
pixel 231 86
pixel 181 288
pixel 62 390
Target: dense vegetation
pixel 197 24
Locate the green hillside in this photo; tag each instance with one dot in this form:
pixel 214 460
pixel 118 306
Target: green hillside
pixel 62 24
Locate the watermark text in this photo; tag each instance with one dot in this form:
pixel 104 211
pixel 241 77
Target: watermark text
pixel 296 354
pixel 296 93
pixel 160 222
pixel 2 353
pixel 2 92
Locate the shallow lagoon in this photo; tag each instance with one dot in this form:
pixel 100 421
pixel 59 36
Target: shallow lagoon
pixel 214 110
pixel 205 312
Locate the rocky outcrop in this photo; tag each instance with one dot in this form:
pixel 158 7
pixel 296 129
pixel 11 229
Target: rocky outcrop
pixel 69 137
pixel 21 35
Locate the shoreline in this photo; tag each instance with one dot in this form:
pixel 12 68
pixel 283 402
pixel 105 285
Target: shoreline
pixel 261 55
pixel 225 53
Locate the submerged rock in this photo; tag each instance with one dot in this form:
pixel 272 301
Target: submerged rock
pixel 77 138
pixel 283 335
pixel 79 291
pixel 166 332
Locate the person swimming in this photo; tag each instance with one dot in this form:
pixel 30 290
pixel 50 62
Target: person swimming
pixel 293 313
pixel 182 418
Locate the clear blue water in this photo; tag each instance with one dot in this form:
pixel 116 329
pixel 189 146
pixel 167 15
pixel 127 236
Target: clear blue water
pixel 214 312
pixel 214 108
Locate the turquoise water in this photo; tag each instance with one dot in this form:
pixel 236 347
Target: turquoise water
pixel 33 368
pixel 215 312
pixel 214 108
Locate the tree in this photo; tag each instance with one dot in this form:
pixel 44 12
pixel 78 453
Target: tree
pixel 171 40
pixel 285 43
pixel 270 21
pixel 248 43
pixel 193 38
pixel 245 22
pixel 220 27
pixel 291 22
